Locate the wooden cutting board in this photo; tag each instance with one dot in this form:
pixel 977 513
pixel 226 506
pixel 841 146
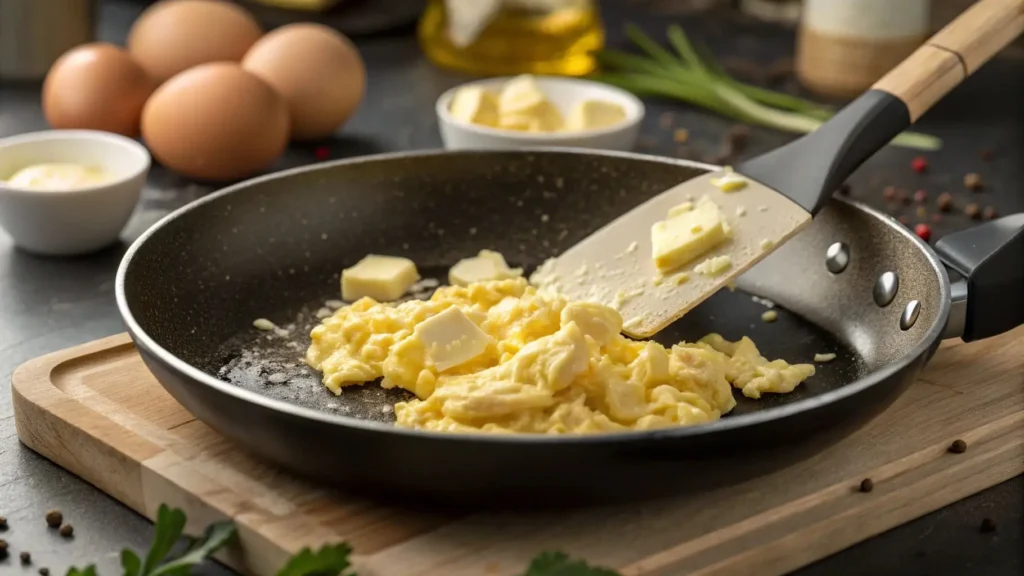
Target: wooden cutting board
pixel 98 412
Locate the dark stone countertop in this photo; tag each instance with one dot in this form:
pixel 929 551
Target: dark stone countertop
pixel 49 304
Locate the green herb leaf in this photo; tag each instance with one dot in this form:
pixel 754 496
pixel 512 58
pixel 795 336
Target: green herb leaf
pixel 329 560
pixel 214 538
pixel 558 564
pixel 170 522
pixel 89 570
pixel 131 563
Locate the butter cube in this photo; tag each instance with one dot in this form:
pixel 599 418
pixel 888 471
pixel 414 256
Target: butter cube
pixel 520 96
pixel 485 266
pixel 383 278
pixel 729 181
pixel 475 105
pixel 451 339
pixel 593 114
pixel 682 238
pixel 544 117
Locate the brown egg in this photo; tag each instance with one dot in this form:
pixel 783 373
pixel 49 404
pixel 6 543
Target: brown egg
pixel 175 35
pixel 215 122
pixel 98 87
pixel 317 70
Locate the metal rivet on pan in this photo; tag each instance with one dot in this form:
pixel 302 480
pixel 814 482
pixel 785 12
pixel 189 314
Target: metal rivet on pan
pixel 837 257
pixel 885 288
pixel 910 314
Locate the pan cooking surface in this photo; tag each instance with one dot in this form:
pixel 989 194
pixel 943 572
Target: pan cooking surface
pixel 271 362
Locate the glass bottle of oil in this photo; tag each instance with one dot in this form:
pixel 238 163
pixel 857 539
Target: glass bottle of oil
pixel 504 37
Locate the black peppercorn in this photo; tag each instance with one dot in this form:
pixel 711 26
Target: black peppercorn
pixel 54 518
pixel 867 485
pixel 988 525
pixel 67 530
pixel 26 558
pixel 958 446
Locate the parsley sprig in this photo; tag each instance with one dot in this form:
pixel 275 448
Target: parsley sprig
pixel 329 560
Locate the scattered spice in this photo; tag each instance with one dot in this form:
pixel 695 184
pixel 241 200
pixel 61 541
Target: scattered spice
pixel 921 196
pixel 681 135
pixel 972 211
pixel 3 523
pixel 54 518
pixel 844 189
pixel 988 525
pixel 3 549
pixel 904 219
pixel 936 217
pixel 44 571
pixel 26 558
pixel 989 213
pixel 921 212
pixel 923 231
pixel 67 530
pixel 987 154
pixel 665 120
pixel 919 164
pixel 867 485
pixel 736 138
pixel 944 201
pixel 958 446
pixel 889 193
pixel 972 181
pixel 322 153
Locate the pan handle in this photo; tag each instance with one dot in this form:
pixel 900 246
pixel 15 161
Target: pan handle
pixel 810 169
pixel 953 54
pixel 990 257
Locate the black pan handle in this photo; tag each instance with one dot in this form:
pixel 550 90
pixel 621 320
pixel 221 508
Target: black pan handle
pixel 990 257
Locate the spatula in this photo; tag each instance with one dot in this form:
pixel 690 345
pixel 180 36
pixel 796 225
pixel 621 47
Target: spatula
pixel 783 188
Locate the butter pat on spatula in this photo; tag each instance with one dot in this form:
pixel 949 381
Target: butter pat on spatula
pixel 667 255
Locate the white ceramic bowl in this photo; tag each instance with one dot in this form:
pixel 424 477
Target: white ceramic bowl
pixel 72 221
pixel 563 93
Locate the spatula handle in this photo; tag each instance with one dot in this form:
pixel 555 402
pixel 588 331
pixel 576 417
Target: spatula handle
pixel 953 54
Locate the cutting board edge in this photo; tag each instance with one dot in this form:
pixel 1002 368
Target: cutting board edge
pixel 137 482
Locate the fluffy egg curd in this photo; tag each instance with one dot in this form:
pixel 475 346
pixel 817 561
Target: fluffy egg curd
pixel 502 356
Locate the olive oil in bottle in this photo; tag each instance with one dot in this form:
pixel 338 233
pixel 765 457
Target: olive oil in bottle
pixel 504 37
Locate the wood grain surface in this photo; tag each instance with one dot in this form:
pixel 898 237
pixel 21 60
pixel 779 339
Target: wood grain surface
pixel 96 410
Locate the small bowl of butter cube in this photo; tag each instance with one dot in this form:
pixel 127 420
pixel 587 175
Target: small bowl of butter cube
pixel 526 110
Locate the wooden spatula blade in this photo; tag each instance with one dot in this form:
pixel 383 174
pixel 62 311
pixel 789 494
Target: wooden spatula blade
pixel 614 266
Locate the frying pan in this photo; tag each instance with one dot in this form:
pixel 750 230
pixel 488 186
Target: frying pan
pixel 855 283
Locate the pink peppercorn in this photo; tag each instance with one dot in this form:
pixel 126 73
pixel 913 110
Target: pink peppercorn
pixel 322 153
pixel 921 196
pixel 923 231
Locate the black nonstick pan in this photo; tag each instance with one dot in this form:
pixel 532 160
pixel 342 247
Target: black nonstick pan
pixel 855 283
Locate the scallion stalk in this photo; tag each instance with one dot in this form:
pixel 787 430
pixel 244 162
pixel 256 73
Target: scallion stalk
pixel 701 81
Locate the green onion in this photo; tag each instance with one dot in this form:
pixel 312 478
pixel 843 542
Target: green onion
pixel 692 75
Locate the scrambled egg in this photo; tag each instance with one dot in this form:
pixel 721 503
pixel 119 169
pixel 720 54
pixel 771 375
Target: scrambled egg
pixel 540 365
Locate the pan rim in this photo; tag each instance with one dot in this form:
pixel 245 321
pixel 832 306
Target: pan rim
pixel 722 425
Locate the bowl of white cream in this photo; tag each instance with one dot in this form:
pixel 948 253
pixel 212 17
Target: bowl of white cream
pixel 66 192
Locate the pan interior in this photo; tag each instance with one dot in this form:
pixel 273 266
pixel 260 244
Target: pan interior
pixel 273 248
